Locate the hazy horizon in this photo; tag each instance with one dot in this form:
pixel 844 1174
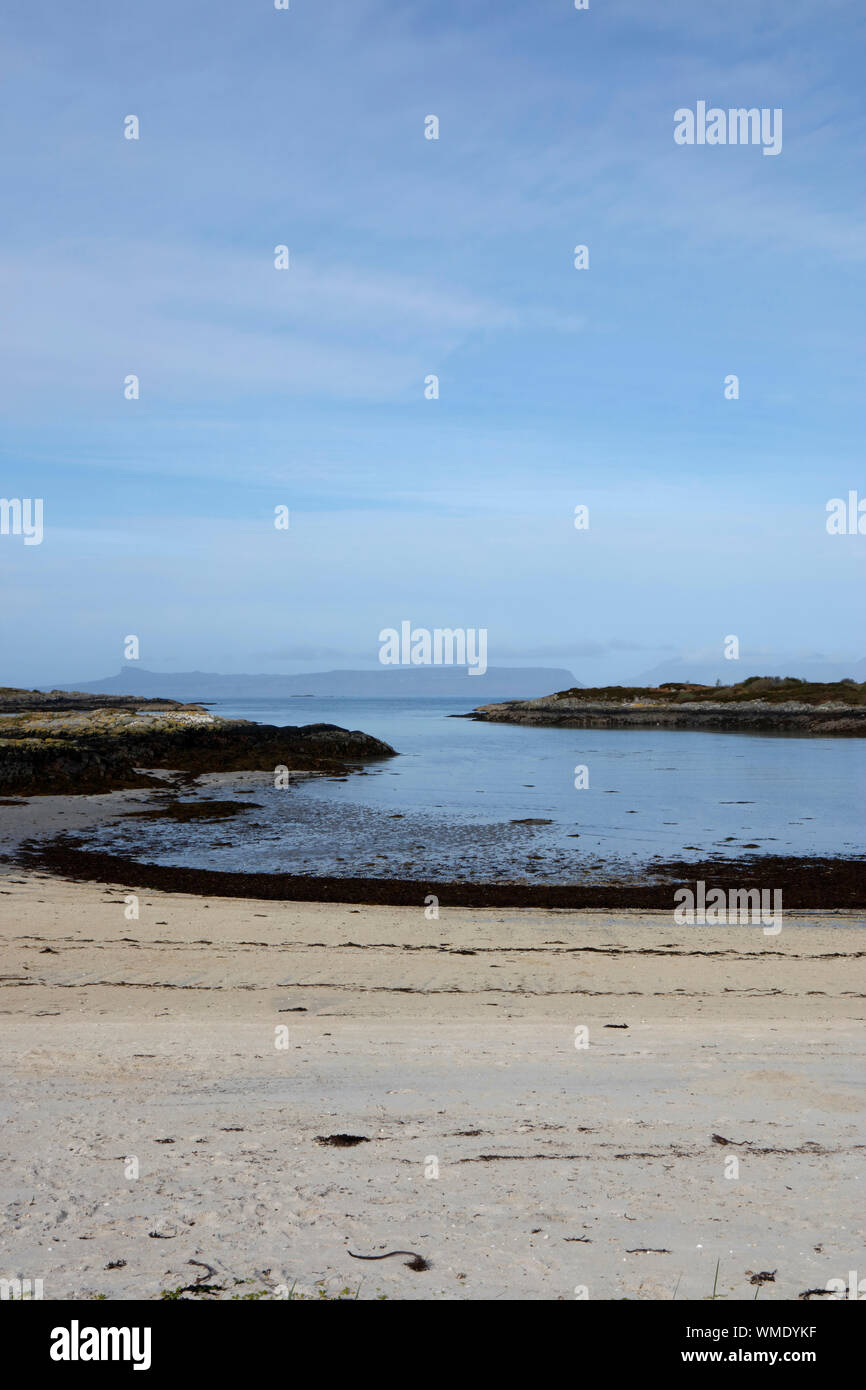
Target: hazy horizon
pixel 142 680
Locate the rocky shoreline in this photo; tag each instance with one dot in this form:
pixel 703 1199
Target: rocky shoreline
pixel 837 884
pixel 15 701
pixel 87 749
pixel 746 716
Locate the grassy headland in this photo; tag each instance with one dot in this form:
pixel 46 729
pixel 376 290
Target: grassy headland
pixel 760 704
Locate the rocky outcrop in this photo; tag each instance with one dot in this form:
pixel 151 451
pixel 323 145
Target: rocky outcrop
pixel 45 753
pixel 746 716
pixel 15 701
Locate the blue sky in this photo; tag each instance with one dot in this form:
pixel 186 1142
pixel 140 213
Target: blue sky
pixel 409 257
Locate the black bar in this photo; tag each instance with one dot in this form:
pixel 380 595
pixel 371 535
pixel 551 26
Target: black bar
pixel 211 1339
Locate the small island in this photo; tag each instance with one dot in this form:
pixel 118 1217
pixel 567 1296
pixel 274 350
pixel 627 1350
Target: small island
pixel 760 704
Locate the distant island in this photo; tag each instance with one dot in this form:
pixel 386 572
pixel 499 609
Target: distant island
pixel 498 682
pixel 780 704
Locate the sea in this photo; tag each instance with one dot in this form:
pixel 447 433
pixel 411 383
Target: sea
pixel 479 802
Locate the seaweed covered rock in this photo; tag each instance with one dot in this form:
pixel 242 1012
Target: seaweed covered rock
pixel 45 752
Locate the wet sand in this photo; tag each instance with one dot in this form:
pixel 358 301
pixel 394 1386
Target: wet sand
pixel 518 1165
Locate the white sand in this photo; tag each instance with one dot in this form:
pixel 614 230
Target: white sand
pixel 132 1032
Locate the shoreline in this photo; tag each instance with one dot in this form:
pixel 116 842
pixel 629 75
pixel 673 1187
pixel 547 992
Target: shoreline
pixel 34 836
pixel 819 883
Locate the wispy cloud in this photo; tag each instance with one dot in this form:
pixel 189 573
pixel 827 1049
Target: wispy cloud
pixel 207 321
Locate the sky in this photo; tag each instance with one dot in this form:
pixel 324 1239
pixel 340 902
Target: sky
pixel 411 257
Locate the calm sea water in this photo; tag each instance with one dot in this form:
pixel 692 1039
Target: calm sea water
pixel 448 805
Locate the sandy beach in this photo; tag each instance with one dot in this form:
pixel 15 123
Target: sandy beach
pixel 211 1045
